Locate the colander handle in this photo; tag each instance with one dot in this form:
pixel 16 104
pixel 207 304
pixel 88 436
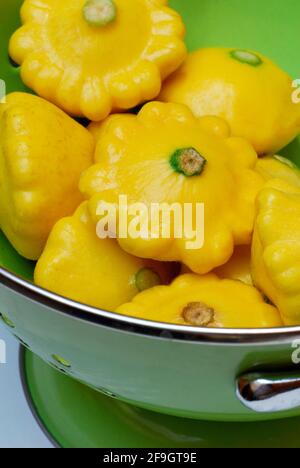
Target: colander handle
pixel 269 393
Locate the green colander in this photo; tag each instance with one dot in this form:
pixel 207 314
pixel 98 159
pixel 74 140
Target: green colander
pixel 237 375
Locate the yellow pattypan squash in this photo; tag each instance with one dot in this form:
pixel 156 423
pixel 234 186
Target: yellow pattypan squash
pixel 78 265
pixel 245 88
pixel 92 57
pixel 205 301
pixel 280 168
pixel 164 155
pixel 238 267
pixel 42 154
pixel 276 249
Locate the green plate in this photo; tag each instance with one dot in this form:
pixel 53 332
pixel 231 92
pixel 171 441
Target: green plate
pixel 78 417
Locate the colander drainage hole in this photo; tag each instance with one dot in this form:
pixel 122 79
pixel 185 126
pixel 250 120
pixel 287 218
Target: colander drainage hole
pixel 5 319
pixel 60 360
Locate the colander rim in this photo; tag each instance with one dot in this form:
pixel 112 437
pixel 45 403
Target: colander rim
pixel 125 323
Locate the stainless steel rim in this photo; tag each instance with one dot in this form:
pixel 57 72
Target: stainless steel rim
pixel 162 330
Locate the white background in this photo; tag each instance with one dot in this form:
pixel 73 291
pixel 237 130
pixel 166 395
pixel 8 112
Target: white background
pixel 18 427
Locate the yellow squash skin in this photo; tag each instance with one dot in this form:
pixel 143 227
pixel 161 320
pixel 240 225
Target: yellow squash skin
pixel 90 71
pixel 133 159
pixel 78 265
pixel 42 155
pixel 276 250
pixel 280 168
pixel 232 303
pixel 238 267
pixel 256 100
